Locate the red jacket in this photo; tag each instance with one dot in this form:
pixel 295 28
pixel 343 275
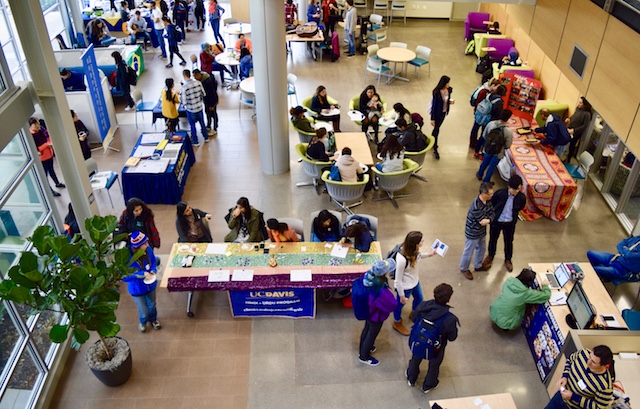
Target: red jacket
pixel 206 62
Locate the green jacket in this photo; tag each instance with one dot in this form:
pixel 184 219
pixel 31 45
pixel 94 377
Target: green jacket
pixel 253 225
pixel 507 311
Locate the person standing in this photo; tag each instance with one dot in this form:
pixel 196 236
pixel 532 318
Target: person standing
pixel 381 303
pixel 480 214
pixel 144 295
pixel 180 14
pixel 496 103
pixel 479 94
pixel 350 27
pixel 494 146
pixel 83 135
pixel 440 102
pixel 210 86
pixel 314 12
pixel 172 41
pixel 434 310
pixel 45 150
pixel 556 132
pixel 170 103
pixel 507 204
pixel 198 12
pixel 158 27
pixel 290 12
pixel 407 279
pixel 578 124
pixel 137 217
pixel 215 11
pixel 124 10
pixel 192 96
pixel 122 79
pixel 587 380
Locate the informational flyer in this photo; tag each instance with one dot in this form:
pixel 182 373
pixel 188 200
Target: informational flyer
pixel 285 302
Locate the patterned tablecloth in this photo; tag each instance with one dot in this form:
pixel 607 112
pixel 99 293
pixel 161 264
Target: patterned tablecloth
pixel 549 188
pixel 327 271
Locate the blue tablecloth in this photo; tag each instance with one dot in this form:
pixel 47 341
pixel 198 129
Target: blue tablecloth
pixel 161 188
pixel 157 112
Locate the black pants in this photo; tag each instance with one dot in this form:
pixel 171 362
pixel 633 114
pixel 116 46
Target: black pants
pixel 212 113
pixel 171 124
pixel 436 131
pixel 507 229
pixel 199 14
pixel 374 124
pixel 48 169
pixel 176 51
pixel 334 119
pixel 431 380
pixel 573 148
pixel 368 338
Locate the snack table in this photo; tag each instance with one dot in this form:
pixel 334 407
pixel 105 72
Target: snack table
pixel 327 271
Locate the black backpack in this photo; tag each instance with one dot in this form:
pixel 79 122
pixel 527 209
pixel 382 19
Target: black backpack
pixel 495 141
pixel 392 254
pixel 132 76
pixel 483 64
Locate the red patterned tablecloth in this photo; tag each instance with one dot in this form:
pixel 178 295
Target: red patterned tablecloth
pixel 549 188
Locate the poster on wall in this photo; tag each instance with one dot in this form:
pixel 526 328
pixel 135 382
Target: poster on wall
pixel 95 90
pixel 285 302
pixel 522 94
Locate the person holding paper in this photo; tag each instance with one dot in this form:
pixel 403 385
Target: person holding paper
pixel 142 283
pixel 357 234
pixel 507 311
pixel 407 279
pixel 192 224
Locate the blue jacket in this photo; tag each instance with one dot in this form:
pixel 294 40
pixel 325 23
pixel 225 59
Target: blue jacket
pixel 172 36
pixel 556 132
pixel 311 10
pixel 246 64
pixel 629 253
pixel 135 281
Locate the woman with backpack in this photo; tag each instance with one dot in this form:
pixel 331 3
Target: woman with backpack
pixel 122 79
pixel 381 303
pixel 440 102
pixel 407 277
pixel 172 40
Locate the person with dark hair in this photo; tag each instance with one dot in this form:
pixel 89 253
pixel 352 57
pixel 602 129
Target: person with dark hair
pixel 325 227
pixel 440 102
pixel 198 12
pixel 71 223
pixel 172 42
pixel 489 87
pixel 317 149
pixel 399 111
pixel 350 25
pixel 124 10
pixel 577 125
pixel 210 86
pixel 495 98
pixel 507 311
pixel 72 81
pixel 587 380
pixel 494 148
pixel 192 96
pixel 170 102
pixel 180 15
pixel 192 224
pixel 98 33
pixel 357 234
pixel 138 217
pixel 556 133
pixel 320 102
pixel 158 26
pixel 280 232
pixel 45 151
pixel 83 135
pixel 480 214
pixel 348 166
pixel 381 303
pixel 506 203
pixel 142 283
pixel 436 310
pixel 410 136
pixel 407 279
pixel 300 120
pixel 138 29
pixel 215 12
pixel 391 154
pixel 625 265
pixel 243 42
pixel 246 223
pixel 246 63
pixel 122 79
pixel 370 106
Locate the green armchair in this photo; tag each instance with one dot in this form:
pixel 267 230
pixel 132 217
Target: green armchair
pixel 391 182
pixel 312 168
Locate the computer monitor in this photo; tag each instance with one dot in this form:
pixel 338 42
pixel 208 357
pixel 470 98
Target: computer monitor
pixel 582 313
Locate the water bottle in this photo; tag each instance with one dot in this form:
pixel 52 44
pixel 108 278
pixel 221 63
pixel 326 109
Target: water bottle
pixel 241 27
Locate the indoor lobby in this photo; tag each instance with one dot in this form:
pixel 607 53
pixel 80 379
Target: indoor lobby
pixel 213 360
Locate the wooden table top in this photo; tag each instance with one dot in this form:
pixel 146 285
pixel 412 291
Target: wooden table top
pixel 497 401
pixel 396 54
pixel 248 85
pixel 296 38
pixel 359 145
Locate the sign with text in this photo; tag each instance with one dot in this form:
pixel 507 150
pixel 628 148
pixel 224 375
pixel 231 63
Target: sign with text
pixel 95 89
pixel 286 302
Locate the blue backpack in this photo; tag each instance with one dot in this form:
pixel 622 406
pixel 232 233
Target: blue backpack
pixel 360 299
pixel 334 173
pixel 425 339
pixel 483 111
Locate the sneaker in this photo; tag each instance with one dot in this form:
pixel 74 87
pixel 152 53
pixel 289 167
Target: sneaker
pixel 142 327
pixel 168 65
pixel 206 140
pixel 371 361
pixel 156 325
pixel 475 154
pixel 406 373
pixel 373 349
pixel 60 185
pixel 195 144
pixel 213 132
pixel 427 390
pixel 55 194
pixel 480 157
pixel 163 57
pixel 467 274
pixel 128 108
pixel 349 55
pixel 183 63
pixel 399 326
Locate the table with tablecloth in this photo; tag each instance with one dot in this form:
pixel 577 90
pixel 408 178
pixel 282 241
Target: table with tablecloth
pixel 549 188
pixel 160 188
pixel 114 25
pixel 157 112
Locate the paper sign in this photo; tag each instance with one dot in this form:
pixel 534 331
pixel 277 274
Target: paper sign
pixel 300 275
pixel 242 275
pixel 272 246
pixel 558 298
pixel 218 276
pixel 339 251
pixel 216 248
pixel 477 402
pixel 440 247
pixel 303 248
pixel 328 245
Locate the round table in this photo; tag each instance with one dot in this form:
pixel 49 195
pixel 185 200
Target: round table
pixel 234 28
pixel 248 85
pixel 396 55
pixel 226 59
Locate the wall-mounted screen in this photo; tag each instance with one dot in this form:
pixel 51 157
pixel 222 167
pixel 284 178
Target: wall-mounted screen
pixel 578 61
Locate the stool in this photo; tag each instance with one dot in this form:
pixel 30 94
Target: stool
pixel 105 180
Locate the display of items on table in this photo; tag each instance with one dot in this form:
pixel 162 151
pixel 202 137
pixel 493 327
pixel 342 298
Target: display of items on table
pixel 522 94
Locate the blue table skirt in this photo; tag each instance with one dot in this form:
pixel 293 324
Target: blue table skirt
pixel 163 188
pixel 157 112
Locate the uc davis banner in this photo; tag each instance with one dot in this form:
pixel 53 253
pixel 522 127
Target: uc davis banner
pixel 287 302
pixel 95 89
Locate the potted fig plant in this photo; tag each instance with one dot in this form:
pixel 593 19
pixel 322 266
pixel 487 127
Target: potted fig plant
pixel 81 278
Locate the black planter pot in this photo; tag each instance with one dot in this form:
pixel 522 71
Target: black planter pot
pixel 116 376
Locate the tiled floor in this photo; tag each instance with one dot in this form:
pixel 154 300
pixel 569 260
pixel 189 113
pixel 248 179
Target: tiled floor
pixel 214 361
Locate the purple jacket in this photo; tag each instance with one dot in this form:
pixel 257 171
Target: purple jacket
pixel 381 306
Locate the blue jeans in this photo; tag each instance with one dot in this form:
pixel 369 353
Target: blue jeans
pixel 469 246
pixel 559 150
pixel 146 307
pixel 159 34
pixel 417 299
pixel 489 163
pixel 144 34
pixel 198 117
pixel 603 266
pixel 215 25
pixel 556 402
pixel 351 39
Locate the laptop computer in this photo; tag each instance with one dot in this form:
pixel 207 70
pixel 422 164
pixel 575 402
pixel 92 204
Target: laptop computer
pixel 559 277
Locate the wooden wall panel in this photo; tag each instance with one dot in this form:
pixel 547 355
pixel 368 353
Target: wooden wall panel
pixel 522 14
pixel 585 27
pixel 548 23
pixel 522 42
pixel 549 76
pixel 500 15
pixel 614 90
pixel 567 92
pixel 535 57
pixel 633 140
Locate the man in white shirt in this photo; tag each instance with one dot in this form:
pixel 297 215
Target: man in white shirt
pixel 158 26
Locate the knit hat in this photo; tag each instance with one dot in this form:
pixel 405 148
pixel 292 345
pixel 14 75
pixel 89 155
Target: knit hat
pixel 138 239
pixel 379 268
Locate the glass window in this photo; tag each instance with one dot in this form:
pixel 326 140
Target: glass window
pixel 23 382
pixel 54 21
pixel 9 338
pixel 13 159
pixel 40 333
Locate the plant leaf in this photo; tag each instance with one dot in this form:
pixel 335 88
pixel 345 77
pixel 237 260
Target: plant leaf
pixel 80 336
pixel 58 333
pixel 80 281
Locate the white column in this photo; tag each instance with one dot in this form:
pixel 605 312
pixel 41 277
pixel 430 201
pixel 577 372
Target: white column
pixel 51 98
pixel 270 71
pixel 76 16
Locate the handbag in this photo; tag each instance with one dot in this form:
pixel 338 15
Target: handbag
pixel 334 173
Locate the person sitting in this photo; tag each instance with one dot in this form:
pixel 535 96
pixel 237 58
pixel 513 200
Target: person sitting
pixel 72 81
pixel 372 113
pixel 320 103
pixel 391 154
pixel 556 132
pixel 399 111
pixel 325 227
pixel 246 63
pixel 138 29
pixel 625 265
pixel 348 166
pixel 98 33
pixel 409 136
pixel 246 223
pixel 494 28
pixel 280 232
pixel 317 149
pixel 124 11
pixel 243 42
pixel 208 62
pixel 357 234
pixel 192 224
pixel 300 120
pixel 507 311
pixel 511 59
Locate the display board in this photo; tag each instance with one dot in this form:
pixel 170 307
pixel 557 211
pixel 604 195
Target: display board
pixel 522 94
pixel 287 302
